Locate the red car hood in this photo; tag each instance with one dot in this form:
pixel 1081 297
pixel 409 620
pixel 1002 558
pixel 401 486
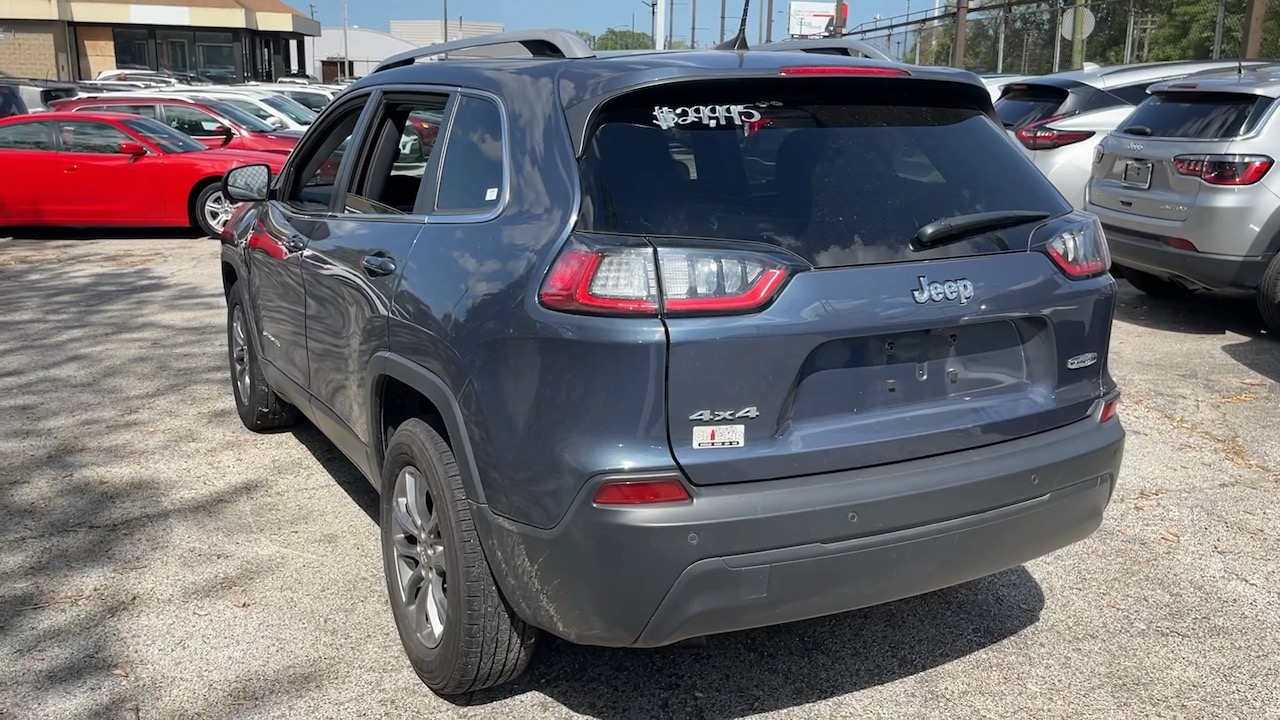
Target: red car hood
pixel 236 158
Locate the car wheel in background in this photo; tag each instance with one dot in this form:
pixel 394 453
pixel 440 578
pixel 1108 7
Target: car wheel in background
pixel 457 630
pixel 212 210
pixel 259 407
pixel 1156 287
pixel 1268 295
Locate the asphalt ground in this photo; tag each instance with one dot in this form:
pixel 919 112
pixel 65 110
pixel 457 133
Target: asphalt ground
pixel 159 561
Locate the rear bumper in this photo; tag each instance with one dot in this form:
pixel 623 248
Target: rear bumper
pixel 763 553
pixel 1148 254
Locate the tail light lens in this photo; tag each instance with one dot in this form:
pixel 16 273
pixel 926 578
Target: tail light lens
pixel 641 492
pixel 1224 169
pixel 682 281
pixel 1039 136
pixel 1109 410
pixel 1080 251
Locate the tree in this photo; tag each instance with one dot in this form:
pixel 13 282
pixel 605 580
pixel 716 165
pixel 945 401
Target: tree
pixel 615 39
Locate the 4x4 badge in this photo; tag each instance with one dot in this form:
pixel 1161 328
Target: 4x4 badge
pixel 958 289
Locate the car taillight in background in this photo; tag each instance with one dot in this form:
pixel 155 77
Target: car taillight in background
pixel 845 70
pixel 1039 136
pixel 1224 169
pixel 682 281
pixel 1080 251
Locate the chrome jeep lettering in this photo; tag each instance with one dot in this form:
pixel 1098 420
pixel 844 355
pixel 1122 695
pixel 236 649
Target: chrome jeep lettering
pixel 958 289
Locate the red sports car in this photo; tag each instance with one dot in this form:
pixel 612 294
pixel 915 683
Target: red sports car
pixel 214 124
pixel 96 169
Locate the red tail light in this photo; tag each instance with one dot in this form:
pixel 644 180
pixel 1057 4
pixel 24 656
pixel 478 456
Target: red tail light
pixel 1224 169
pixel 1180 244
pixel 641 492
pixel 1038 136
pixel 844 70
pixel 627 281
pixel 1080 252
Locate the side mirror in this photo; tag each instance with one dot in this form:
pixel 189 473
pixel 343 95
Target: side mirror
pixel 225 132
pixel 247 183
pixel 275 122
pixel 132 149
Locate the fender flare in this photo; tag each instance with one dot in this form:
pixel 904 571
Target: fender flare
pixel 433 388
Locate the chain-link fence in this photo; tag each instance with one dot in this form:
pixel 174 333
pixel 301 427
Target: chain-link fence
pixel 1035 37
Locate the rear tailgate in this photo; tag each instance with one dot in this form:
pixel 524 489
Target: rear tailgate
pixel 1147 167
pixel 872 351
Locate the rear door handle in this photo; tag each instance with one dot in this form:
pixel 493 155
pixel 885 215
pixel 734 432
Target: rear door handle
pixel 378 265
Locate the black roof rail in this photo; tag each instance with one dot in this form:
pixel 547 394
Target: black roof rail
pixel 546 43
pixel 830 46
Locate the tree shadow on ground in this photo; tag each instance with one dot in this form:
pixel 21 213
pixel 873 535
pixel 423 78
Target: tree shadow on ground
pixel 93 383
pixel 741 674
pixel 1200 313
pixel 44 234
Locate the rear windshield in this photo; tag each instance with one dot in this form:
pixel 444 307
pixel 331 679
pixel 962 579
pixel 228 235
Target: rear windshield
pixel 834 182
pixel 1203 116
pixel 10 103
pixel 1022 105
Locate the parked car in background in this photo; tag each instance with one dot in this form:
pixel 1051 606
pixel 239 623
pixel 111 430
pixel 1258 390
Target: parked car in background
pixel 112 169
pixel 1186 189
pixel 158 78
pixel 1059 119
pixel 698 342
pixel 313 97
pixel 276 110
pixel 32 95
pixel 213 123
pixel 996 82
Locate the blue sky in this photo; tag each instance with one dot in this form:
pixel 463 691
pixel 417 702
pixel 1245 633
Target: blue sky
pixel 590 15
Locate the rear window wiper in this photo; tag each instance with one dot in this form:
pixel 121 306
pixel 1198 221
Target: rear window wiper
pixel 954 229
pixel 1138 130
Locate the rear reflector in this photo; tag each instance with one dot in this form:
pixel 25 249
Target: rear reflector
pixel 843 70
pixel 1109 410
pixel 641 492
pixel 1180 244
pixel 1224 169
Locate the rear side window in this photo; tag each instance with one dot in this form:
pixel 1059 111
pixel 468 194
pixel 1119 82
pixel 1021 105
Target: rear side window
pixel 836 183
pixel 471 178
pixel 26 136
pixel 1022 105
pixel 1202 116
pixel 10 103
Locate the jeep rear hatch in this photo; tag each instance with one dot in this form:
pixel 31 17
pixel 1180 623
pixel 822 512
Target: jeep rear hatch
pixel 843 269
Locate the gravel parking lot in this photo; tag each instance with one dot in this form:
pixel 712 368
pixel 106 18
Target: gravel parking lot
pixel 159 561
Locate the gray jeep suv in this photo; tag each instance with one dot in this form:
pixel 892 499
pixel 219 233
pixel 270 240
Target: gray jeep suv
pixel 653 346
pixel 1185 189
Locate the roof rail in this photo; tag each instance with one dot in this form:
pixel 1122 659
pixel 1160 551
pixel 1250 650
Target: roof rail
pixel 547 43
pixel 830 46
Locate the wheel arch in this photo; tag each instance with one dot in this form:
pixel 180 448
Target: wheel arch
pixel 439 400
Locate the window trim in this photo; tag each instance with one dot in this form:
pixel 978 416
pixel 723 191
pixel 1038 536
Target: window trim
pixel 430 174
pixel 437 217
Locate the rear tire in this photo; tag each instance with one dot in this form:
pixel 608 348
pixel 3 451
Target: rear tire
pixel 458 632
pixel 259 407
pixel 1156 287
pixel 1268 295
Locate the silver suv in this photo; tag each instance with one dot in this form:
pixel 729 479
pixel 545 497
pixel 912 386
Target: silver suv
pixel 1184 190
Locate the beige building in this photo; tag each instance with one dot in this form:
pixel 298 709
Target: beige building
pixel 219 40
pixel 420 33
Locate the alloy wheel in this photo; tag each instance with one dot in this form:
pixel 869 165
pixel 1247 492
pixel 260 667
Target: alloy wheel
pixel 421 575
pixel 240 355
pixel 217 210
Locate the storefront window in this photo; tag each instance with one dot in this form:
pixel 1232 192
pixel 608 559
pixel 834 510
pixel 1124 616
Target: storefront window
pixel 215 57
pixel 131 49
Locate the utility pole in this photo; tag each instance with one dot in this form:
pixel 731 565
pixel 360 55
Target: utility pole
pixel 1057 36
pixel 1251 47
pixel 346 60
pixel 659 24
pixel 444 26
pixel 768 23
pixel 837 23
pixel 1128 36
pixel 693 24
pixel 962 33
pixel 723 3
pixel 1077 34
pixel 1004 12
pixel 1217 29
pixel 671 24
